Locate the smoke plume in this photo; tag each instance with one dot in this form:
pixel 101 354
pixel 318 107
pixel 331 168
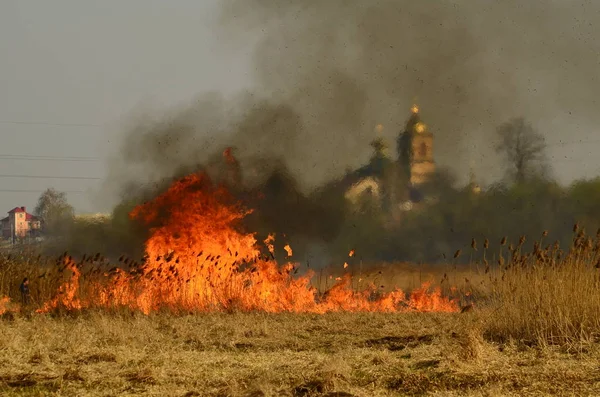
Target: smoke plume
pixel 327 72
pixel 346 65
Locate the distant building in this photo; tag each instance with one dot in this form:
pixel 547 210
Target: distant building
pixel 19 223
pixel 394 185
pixel 415 150
pixel 367 184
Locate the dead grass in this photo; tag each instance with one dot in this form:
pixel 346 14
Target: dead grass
pixel 540 296
pixel 280 355
pixel 547 296
pixel 534 330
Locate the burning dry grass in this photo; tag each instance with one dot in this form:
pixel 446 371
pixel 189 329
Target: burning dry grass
pixel 199 260
pixel 543 297
pixel 337 354
pixel 522 318
pixel 533 331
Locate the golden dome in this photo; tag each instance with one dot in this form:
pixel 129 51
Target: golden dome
pixel 420 127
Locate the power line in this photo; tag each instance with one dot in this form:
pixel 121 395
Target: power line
pixel 37 191
pixel 50 124
pixel 47 158
pixel 47 177
pixel 574 142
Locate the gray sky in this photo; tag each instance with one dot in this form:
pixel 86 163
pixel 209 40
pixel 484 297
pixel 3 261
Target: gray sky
pixel 72 72
pixel 91 64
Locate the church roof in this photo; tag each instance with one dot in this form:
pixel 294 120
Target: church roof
pixel 415 125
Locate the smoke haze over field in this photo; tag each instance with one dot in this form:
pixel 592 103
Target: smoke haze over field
pixel 327 72
pixel 339 66
pixel 321 75
pixel 470 65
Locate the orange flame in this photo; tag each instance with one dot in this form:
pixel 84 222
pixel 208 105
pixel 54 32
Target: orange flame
pixel 67 293
pixel 198 259
pixel 288 249
pixel 269 243
pixel 4 303
pixel 228 155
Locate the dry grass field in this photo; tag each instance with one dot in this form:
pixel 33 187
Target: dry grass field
pixel 533 329
pixel 340 354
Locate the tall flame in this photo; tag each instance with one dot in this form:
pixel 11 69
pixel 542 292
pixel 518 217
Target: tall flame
pixel 198 259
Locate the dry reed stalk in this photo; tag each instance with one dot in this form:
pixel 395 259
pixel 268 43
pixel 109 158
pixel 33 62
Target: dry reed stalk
pixel 546 296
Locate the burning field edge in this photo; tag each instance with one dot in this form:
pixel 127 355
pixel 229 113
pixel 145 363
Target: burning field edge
pixel 209 311
pixel 197 259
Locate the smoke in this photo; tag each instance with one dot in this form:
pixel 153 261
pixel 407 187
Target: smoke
pixel 346 65
pixel 327 72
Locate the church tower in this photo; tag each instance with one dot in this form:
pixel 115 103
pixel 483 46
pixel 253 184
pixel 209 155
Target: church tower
pixel 415 149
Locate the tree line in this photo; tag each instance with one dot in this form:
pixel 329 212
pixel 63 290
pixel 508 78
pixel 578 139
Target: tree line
pixel 525 203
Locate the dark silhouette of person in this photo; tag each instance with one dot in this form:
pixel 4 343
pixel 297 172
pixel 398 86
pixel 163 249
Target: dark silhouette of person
pixel 24 287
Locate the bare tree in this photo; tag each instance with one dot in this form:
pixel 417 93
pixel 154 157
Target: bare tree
pixel 523 149
pixel 54 210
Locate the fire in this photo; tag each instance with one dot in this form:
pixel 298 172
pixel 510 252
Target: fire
pixel 67 293
pixel 288 249
pixel 269 243
pixel 228 155
pixel 414 109
pixel 4 303
pixel 198 259
pixel 351 253
pixel 422 301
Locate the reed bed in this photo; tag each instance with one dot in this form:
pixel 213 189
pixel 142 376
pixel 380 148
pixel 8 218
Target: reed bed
pixel 535 292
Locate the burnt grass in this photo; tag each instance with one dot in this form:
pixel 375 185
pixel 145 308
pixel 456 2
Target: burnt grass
pixel 281 355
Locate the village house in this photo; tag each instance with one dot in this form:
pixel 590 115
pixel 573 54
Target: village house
pixel 19 224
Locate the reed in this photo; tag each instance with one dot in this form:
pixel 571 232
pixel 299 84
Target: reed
pixel 542 295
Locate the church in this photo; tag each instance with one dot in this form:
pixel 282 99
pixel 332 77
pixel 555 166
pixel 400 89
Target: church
pixel 395 185
pixel 415 149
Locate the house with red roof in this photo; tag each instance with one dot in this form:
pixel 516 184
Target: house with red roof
pixel 19 223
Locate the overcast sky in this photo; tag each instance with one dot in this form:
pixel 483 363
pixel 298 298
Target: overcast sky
pixel 90 64
pixel 72 72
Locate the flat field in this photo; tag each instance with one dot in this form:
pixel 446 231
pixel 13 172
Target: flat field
pixel 532 328
pixel 257 354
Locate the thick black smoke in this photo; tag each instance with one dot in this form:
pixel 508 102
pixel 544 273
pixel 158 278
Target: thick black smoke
pixel 345 65
pixel 327 72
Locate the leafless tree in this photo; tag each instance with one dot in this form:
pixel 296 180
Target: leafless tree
pixel 523 148
pixel 54 210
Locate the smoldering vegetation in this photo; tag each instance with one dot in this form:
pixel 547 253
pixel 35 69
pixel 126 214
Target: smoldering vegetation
pixel 325 74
